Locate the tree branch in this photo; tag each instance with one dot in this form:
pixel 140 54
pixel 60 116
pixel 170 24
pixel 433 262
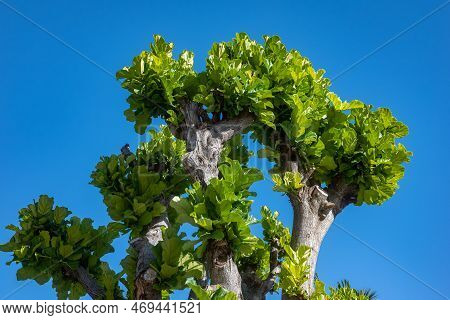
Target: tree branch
pixel 253 287
pixel 204 144
pixel 221 269
pixel 205 141
pixel 146 277
pixel 341 194
pixel 93 289
pixel 274 266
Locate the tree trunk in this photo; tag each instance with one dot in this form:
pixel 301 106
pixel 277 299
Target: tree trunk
pixel 309 228
pixel 204 143
pixel 314 211
pixel 146 277
pixel 251 284
pixel 221 268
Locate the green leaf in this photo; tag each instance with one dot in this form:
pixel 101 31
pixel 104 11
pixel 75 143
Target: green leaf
pixel 181 205
pixel 205 294
pixel 26 273
pixel 168 271
pixel 145 219
pixel 59 214
pixel 8 247
pixel 328 163
pixel 12 228
pixel 355 104
pixel 65 250
pixel 192 268
pixel 300 121
pixel 139 208
pixel 45 204
pixel 45 235
pixel 337 103
pixel 109 280
pixel 171 251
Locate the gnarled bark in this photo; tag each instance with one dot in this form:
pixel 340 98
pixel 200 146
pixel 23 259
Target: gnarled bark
pixel 205 140
pixel 146 277
pixel 221 268
pixel 93 289
pixel 314 211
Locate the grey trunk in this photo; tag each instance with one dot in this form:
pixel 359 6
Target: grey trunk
pixel 146 277
pixel 314 211
pixel 204 143
pixel 221 268
pixel 94 290
pixel 309 228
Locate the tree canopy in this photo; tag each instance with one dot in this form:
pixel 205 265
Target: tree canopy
pixel 290 101
pixel 328 153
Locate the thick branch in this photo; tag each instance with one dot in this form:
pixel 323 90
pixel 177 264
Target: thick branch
pixel 221 268
pixel 314 211
pixel 93 289
pixel 205 141
pixel 253 288
pixel 146 277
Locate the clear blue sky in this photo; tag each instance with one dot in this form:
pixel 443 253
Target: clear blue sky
pixel 60 112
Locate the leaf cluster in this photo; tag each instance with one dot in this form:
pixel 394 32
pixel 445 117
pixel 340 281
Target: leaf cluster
pixel 287 181
pixel 292 104
pixel 294 271
pixel 135 187
pixel 343 291
pixel 156 81
pixel 175 261
pixel 217 293
pixel 221 210
pixel 50 245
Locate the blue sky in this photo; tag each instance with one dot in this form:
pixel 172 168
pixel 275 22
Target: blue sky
pixel 61 110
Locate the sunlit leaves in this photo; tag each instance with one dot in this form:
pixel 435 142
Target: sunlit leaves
pixel 48 246
pixel 273 230
pixel 155 81
pixel 343 291
pixel 221 210
pixel 294 271
pixel 218 293
pixel 289 98
pixel 175 261
pixel 287 181
pixel 134 186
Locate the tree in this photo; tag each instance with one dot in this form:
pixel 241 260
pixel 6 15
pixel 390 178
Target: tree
pixel 327 155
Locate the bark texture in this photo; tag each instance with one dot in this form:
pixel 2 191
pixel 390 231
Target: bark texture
pixel 146 277
pixel 205 139
pixel 253 288
pixel 91 286
pixel 221 268
pixel 314 211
